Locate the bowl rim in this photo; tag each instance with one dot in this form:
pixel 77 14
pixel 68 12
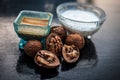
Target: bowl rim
pixel 102 12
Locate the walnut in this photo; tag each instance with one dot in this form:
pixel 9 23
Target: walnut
pixel 32 47
pixel 46 59
pixel 59 30
pixel 70 53
pixel 75 39
pixel 54 44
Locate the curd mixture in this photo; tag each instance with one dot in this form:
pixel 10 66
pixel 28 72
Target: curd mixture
pixel 86 22
pixel 79 15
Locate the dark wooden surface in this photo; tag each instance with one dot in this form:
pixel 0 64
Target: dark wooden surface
pixel 99 59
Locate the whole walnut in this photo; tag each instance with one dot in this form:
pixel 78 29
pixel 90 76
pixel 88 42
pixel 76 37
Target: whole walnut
pixel 32 47
pixel 59 30
pixel 75 39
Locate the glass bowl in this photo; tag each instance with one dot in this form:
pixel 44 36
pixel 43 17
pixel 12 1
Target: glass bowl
pixel 32 25
pixel 84 19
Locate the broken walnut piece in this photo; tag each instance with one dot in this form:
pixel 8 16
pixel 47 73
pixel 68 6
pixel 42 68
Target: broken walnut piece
pixel 54 44
pixel 70 53
pixel 46 59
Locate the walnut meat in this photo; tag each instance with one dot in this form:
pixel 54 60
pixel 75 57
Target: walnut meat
pixel 54 44
pixel 75 39
pixel 46 59
pixel 70 53
pixel 59 30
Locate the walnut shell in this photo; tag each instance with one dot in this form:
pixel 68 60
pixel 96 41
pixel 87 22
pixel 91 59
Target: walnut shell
pixel 59 30
pixel 46 59
pixel 75 39
pixel 54 44
pixel 32 47
pixel 70 53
